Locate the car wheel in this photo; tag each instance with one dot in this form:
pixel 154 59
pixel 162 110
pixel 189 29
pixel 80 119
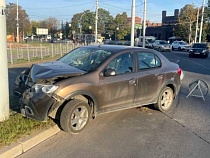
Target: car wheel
pixel 75 116
pixel 206 56
pixel 159 49
pixel 172 48
pixel 179 49
pixel 165 99
pixel 190 55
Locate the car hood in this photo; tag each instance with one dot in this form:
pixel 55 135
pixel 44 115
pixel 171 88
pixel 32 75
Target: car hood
pixel 197 49
pixel 51 71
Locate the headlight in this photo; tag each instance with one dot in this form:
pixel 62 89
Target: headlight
pixel 48 89
pixel 203 51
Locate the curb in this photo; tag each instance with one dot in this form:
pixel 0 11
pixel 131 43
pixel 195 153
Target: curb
pixel 27 143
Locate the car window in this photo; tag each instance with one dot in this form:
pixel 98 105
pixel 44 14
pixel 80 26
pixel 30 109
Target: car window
pixel 199 45
pixel 122 64
pixel 86 59
pixel 148 60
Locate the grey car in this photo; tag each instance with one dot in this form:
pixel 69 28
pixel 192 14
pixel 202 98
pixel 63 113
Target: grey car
pixel 162 45
pixel 93 80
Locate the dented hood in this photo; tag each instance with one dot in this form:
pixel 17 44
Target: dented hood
pixel 53 70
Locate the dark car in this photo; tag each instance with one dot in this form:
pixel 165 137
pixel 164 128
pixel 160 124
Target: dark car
pixel 200 49
pixel 162 45
pixel 94 80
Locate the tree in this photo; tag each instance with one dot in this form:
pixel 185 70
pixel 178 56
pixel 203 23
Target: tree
pixel 186 22
pixel 120 26
pixel 52 24
pixel 11 14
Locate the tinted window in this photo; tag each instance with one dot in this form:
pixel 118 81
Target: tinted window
pixel 148 60
pixel 122 64
pixel 199 45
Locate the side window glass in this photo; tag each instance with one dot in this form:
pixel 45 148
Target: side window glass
pixel 122 64
pixel 148 60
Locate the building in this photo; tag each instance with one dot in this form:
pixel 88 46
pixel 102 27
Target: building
pixel 166 29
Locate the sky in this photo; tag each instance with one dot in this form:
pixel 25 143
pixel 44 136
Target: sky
pixel 64 10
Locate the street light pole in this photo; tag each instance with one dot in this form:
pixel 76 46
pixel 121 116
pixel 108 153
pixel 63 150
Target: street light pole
pixel 17 38
pixel 196 28
pixel 96 22
pixel 190 33
pixel 144 24
pixel 133 21
pixel 201 26
pixel 4 93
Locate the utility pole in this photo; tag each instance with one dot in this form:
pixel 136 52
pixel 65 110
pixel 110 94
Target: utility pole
pixel 133 21
pixel 4 92
pixel 201 26
pixel 196 29
pixel 144 23
pixel 96 23
pixel 17 38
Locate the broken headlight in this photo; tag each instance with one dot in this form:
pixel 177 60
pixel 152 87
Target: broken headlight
pixel 48 89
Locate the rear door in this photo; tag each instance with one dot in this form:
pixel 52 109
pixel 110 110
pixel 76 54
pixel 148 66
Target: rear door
pixel 149 77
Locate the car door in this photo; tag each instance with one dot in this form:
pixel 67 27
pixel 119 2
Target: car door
pixel 117 91
pixel 149 78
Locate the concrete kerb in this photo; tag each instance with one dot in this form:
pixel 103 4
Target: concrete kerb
pixel 27 143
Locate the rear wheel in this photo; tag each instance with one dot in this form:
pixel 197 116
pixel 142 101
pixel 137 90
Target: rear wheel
pixel 75 116
pixel 165 99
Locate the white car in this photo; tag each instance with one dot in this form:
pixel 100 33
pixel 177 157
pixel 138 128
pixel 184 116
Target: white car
pixel 180 45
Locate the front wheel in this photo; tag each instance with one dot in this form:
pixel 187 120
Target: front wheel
pixel 165 99
pixel 75 116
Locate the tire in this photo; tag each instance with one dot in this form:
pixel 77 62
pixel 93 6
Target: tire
pixel 190 55
pixel 172 48
pixel 179 49
pixel 75 116
pixel 165 100
pixel 159 49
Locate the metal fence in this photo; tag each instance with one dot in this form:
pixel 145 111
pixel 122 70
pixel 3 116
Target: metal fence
pixel 18 53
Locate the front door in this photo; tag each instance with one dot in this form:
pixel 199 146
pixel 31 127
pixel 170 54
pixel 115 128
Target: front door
pixel 118 91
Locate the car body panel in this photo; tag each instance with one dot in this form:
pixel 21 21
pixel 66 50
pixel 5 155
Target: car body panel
pixel 104 93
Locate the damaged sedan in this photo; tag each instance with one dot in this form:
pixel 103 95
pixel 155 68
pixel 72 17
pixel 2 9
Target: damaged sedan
pixel 93 80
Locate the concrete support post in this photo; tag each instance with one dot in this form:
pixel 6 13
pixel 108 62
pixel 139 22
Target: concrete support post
pixel 4 92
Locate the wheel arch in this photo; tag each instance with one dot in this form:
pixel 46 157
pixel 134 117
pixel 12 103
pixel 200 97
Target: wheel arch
pixel 82 95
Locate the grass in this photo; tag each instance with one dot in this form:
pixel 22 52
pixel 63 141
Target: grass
pixel 17 126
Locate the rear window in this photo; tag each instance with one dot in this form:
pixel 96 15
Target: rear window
pixel 148 60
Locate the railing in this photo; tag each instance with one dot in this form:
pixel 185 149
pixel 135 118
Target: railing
pixel 19 53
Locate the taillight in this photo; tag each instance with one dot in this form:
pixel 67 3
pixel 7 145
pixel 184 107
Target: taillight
pixel 179 71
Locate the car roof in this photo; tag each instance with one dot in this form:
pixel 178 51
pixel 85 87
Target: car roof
pixel 114 48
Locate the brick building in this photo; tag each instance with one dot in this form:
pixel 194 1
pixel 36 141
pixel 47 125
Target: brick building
pixel 166 29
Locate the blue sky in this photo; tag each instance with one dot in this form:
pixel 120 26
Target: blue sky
pixel 65 9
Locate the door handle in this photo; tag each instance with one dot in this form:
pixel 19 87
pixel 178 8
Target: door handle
pixel 132 81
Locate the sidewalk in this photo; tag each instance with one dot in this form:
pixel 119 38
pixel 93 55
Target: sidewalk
pixel 28 142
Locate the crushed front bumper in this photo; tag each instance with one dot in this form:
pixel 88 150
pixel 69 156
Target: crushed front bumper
pixel 36 105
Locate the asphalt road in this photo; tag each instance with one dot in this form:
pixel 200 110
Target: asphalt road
pixel 182 132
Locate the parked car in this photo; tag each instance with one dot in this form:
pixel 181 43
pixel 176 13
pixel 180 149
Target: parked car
pixel 127 43
pixel 162 45
pixel 200 49
pixel 180 45
pixel 93 80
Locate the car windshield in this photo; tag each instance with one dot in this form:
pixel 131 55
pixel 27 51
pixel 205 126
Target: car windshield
pixel 163 42
pixel 150 40
pixel 182 43
pixel 87 59
pixel 199 45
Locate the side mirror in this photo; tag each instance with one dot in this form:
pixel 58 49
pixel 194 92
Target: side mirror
pixel 109 72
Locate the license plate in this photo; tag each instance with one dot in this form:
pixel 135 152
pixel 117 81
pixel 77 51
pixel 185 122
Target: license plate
pixel 197 53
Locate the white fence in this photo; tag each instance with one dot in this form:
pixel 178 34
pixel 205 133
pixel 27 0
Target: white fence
pixel 18 53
